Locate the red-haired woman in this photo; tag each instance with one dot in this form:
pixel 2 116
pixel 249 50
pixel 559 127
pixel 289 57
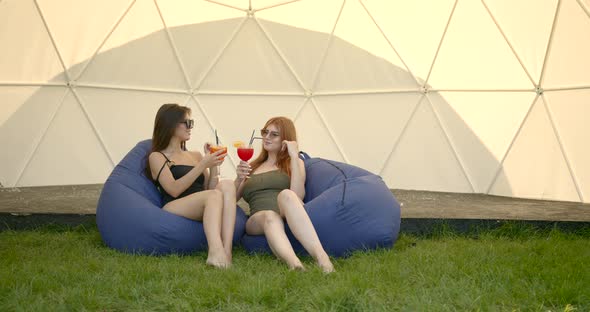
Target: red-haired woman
pixel 275 190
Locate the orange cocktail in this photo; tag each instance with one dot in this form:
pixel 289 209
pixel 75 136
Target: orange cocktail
pixel 215 148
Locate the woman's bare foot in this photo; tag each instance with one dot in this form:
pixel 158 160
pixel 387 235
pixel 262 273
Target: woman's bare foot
pixel 218 259
pixel 295 264
pixel 297 267
pixel 218 264
pixel 325 264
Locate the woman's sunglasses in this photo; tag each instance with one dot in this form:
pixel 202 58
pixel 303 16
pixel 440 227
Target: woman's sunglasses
pixel 273 134
pixel 189 123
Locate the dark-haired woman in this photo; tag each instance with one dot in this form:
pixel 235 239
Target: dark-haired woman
pixel 189 181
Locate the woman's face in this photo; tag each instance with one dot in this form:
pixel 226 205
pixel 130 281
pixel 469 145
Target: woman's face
pixel 271 139
pixel 183 129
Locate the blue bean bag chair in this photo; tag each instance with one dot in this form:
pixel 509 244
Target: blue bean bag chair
pixel 130 218
pixel 350 208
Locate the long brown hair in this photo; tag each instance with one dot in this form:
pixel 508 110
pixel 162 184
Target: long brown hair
pixel 287 131
pixel 167 119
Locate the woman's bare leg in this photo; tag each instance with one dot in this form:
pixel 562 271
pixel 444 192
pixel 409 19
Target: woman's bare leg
pixel 271 224
pixel 204 206
pixel 292 209
pixel 228 219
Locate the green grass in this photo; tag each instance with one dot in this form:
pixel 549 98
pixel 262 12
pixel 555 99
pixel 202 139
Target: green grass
pixel 514 268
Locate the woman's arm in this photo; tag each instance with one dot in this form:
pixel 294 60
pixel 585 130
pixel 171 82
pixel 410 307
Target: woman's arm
pixel 298 176
pixel 242 172
pixel 239 188
pixel 211 176
pixel 172 186
pixel 297 168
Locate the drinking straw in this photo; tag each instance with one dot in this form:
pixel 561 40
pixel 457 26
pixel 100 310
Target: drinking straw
pixel 252 138
pixel 216 138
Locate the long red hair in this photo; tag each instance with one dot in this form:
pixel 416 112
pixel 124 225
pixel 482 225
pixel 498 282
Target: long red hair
pixel 287 131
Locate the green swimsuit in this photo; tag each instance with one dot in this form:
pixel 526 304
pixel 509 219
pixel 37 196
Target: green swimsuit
pixel 261 190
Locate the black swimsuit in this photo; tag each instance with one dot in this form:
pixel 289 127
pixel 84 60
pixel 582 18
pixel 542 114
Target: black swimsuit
pixel 178 171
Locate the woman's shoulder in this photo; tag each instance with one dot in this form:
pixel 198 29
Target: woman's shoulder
pixel 156 160
pixel 156 155
pixel 196 155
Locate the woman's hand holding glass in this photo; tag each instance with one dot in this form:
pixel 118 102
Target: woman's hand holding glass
pixel 243 170
pixel 213 160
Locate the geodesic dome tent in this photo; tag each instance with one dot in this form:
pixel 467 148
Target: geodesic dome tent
pixel 487 96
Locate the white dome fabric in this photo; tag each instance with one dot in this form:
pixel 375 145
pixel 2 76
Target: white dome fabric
pixel 466 96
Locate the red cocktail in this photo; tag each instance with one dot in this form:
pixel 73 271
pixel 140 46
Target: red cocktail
pixel 245 153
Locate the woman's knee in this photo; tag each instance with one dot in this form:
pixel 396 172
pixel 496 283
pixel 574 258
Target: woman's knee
pixel 214 195
pixel 258 222
pixel 270 218
pixel 287 199
pixel 226 187
pixel 286 196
